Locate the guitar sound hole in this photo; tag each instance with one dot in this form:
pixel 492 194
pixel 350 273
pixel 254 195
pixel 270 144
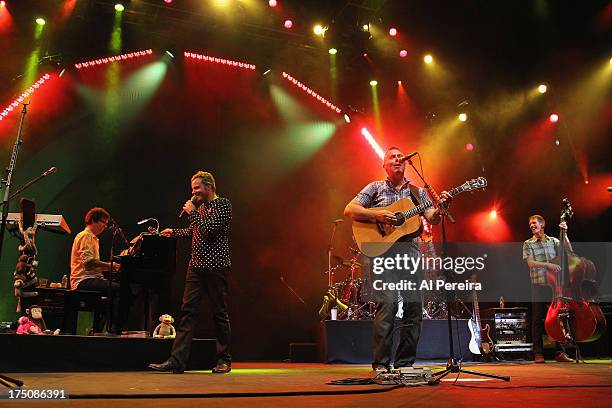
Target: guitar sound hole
pixel 399 219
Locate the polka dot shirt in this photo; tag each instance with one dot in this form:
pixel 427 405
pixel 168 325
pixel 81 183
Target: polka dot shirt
pixel 209 229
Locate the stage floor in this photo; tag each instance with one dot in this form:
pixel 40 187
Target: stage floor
pixel 301 385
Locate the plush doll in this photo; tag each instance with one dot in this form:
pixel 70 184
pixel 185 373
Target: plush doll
pixel 36 316
pixel 27 327
pixel 165 330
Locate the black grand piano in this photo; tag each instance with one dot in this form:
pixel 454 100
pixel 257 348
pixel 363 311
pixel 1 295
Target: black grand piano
pixel 146 271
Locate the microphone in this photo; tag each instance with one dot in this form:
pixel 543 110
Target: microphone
pixel 193 200
pixel 113 224
pixel 410 156
pixel 51 170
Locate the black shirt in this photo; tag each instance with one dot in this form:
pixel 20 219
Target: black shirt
pixel 209 230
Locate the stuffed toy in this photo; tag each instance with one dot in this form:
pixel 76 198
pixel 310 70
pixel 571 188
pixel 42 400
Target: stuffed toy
pixel 27 327
pixel 165 330
pixel 36 316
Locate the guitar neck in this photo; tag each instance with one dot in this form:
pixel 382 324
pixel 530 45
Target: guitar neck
pixel 425 205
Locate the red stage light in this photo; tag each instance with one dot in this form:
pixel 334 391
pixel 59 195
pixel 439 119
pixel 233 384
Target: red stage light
pixel 288 24
pixel 393 32
pixel 312 93
pixel 2 3
pixel 167 1
pixel 469 147
pixel 403 53
pixel 493 214
pixel 370 139
pixel 106 60
pixel 272 3
pixel 222 61
pixel 554 118
pixel 13 105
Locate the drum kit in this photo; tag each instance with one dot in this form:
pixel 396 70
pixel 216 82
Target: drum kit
pixel 351 298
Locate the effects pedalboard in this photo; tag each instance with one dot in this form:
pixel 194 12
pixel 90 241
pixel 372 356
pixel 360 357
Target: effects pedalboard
pixel 406 376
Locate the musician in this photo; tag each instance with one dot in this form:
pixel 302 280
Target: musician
pixel 86 268
pixel 363 208
pixel 538 252
pixel 209 222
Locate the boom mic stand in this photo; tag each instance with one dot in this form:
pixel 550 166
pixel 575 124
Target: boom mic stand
pixel 452 365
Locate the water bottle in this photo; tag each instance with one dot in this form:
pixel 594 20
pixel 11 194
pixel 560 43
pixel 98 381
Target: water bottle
pixel 501 302
pixel 64 281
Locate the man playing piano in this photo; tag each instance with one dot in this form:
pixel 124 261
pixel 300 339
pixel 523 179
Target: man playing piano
pixel 86 267
pixel 209 221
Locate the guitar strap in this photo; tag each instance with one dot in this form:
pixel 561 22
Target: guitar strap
pixel 414 194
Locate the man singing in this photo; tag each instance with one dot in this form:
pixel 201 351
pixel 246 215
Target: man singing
pixel 209 223
pixel 363 208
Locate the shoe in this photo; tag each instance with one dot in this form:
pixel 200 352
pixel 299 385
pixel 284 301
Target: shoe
pixel 539 359
pixel 168 366
pixel 380 368
pixel 222 368
pixel 563 358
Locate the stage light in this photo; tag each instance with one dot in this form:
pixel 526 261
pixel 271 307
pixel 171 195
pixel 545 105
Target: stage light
pixel 553 118
pixel 272 3
pixel 493 214
pixel 311 93
pixel 469 147
pixel 462 117
pixel 610 61
pixel 586 181
pixel 222 61
pixel 167 1
pixel 347 118
pixel 373 143
pixel 365 27
pixel 403 53
pixel 557 142
pixel 119 7
pixel 288 24
pixel 15 104
pixel 393 32
pixel 319 30
pixel 428 59
pixel 542 88
pixel 169 54
pixel 373 82
pixel 399 82
pixel 333 51
pixel 116 58
pixel 40 21
pixel 2 3
pixel 267 71
pixel 365 55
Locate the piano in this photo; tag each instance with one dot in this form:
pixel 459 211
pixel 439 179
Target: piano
pixel 48 222
pixel 149 265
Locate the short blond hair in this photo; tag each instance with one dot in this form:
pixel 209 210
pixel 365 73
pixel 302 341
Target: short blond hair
pixel 206 178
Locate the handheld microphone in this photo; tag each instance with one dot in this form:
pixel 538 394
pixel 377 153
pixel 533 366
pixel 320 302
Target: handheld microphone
pixel 410 156
pixel 193 200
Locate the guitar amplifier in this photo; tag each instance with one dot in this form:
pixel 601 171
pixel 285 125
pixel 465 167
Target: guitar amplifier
pixel 511 327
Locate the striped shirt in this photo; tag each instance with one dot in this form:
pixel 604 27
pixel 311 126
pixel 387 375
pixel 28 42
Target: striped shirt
pixel 541 251
pixel 382 193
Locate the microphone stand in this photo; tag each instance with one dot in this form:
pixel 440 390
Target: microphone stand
pixel 7 381
pixel 28 184
pixel 452 365
pixel 9 176
pixel 116 230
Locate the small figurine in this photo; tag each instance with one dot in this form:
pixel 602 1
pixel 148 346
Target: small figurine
pixel 165 330
pixel 27 327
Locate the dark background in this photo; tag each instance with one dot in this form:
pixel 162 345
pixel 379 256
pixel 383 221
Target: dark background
pixel 262 140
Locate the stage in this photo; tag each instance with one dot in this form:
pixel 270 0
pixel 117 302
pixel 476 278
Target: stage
pixel 286 384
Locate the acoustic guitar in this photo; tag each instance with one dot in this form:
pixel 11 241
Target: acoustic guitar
pixel 375 238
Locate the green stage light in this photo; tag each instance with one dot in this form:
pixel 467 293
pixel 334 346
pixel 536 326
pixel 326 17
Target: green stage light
pixel 119 7
pixel 333 51
pixel 40 21
pixel 373 82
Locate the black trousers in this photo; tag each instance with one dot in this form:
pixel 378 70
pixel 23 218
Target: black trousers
pixel 540 300
pixel 410 330
pixel 213 282
pixel 118 315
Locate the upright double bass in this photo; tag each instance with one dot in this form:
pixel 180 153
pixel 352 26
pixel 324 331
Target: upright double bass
pixel 573 316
